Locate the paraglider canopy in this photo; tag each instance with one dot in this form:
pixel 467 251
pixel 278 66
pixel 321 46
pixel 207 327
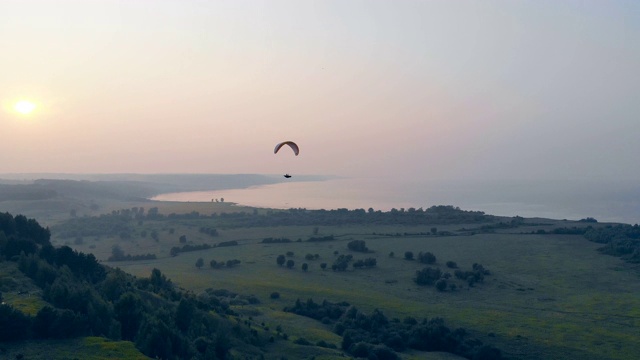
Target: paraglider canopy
pixel 294 147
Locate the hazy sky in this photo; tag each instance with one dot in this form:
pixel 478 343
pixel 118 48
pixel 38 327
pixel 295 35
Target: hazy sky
pixel 428 89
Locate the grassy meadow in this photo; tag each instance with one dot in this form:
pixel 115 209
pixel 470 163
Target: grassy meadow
pixel 87 348
pixel 548 296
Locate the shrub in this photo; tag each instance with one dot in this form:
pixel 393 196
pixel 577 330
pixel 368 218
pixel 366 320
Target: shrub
pixel 428 276
pixel 358 245
pixel 426 258
pixel 301 341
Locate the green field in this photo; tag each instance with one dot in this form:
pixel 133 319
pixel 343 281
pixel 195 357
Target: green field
pixel 549 296
pixel 89 348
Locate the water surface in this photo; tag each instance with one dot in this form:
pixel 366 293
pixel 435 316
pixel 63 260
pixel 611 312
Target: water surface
pixel 605 201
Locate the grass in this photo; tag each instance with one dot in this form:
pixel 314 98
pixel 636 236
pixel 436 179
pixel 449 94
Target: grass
pixel 88 348
pixel 18 290
pixel 554 296
pixel 550 296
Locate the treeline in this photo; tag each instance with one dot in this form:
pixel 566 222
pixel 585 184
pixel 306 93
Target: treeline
pixel 618 240
pixel 271 240
pixel 19 234
pixel 434 215
pixel 121 223
pixel 117 224
pixel 117 254
pixel 87 299
pixel 25 192
pixel 176 250
pixel 375 336
pixel 218 264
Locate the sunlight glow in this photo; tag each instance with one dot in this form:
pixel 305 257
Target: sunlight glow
pixel 24 107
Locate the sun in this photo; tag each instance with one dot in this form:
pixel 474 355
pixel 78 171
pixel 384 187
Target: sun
pixel 24 107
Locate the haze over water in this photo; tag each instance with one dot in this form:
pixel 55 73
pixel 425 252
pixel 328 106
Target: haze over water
pixel 572 200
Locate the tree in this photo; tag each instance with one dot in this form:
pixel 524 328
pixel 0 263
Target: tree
pixel 129 311
pixel 116 253
pixel 358 245
pixel 184 314
pixel 428 276
pixel 174 251
pixel 199 263
pixel 408 255
pixel 323 266
pixel 305 267
pixel 370 262
pixel 290 263
pixel 183 239
pixel 426 258
pixel 232 263
pixel 281 260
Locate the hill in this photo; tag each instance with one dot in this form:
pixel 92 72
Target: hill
pixel 54 197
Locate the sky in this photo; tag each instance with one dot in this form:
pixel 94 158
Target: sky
pixel 542 89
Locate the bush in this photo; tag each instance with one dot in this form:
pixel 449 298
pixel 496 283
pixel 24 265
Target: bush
pixel 358 245
pixel 275 295
pixel 426 258
pixel 428 276
pixel 301 341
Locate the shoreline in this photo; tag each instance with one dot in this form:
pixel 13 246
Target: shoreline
pixel 562 202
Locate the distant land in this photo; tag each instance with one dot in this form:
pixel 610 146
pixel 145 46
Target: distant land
pixel 53 196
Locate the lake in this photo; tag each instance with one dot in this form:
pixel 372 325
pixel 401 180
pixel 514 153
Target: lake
pixel 613 201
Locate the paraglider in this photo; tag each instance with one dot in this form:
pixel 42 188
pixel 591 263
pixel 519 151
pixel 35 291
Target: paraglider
pixel 292 145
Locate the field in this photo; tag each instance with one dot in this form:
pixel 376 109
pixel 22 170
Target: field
pixel 89 348
pixel 548 296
